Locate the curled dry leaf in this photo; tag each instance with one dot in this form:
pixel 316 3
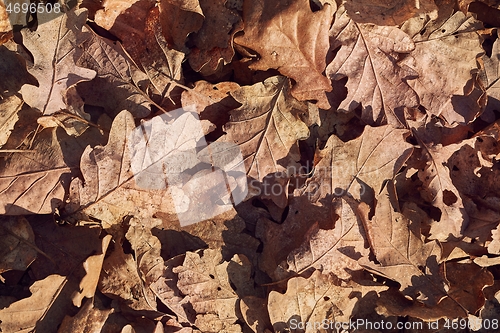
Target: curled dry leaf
pixel 313 300
pixel 359 165
pixel 291 38
pixel 452 92
pixel 56 46
pixel 266 127
pixel 370 57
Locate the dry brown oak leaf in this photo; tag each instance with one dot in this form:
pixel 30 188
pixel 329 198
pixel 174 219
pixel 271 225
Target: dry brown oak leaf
pixel 396 241
pixel 445 58
pixel 156 274
pixel 108 190
pixel 188 18
pixel 266 127
pixel 467 282
pixel 207 281
pixel 360 164
pixel 439 190
pixel 313 300
pixel 291 38
pixel 17 244
pixel 383 12
pixel 35 181
pixel 119 84
pixel 369 56
pixel 56 47
pixel 334 250
pixel 213 43
pixel 26 315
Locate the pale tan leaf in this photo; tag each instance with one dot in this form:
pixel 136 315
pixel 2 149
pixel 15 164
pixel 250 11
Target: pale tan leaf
pixel 92 266
pixel 205 280
pixel 334 250
pixel 266 127
pixel 4 19
pixel 154 272
pixel 17 244
pixel 369 57
pixel 441 192
pixel 120 280
pixel 56 46
pixel 492 77
pixel 291 38
pixel 494 246
pixel 90 319
pixel 8 118
pixel 117 85
pixel 381 12
pixel 396 241
pixel 451 92
pixel 349 167
pixel 25 315
pixel 312 300
pixel 34 181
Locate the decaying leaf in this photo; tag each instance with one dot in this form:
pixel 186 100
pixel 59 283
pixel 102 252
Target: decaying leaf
pixel 289 37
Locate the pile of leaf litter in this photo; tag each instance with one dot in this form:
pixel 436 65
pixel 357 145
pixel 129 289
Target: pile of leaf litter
pixel 370 139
